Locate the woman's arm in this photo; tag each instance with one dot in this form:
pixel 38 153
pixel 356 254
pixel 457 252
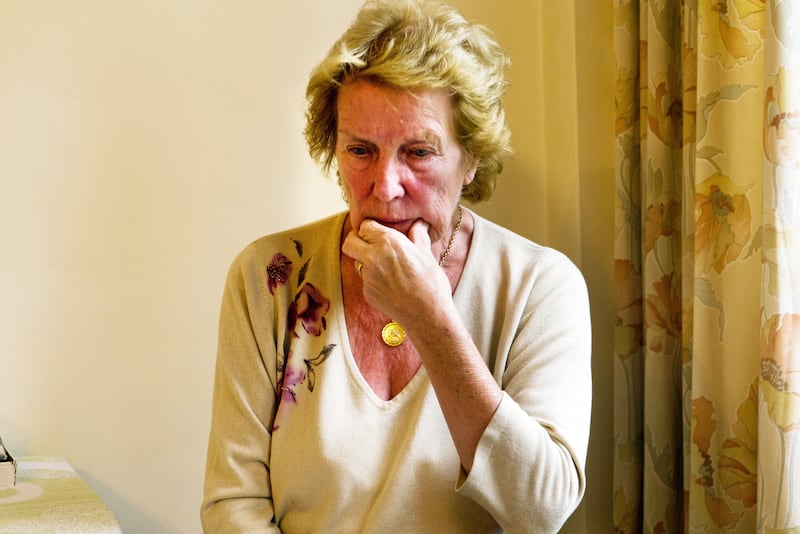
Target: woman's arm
pixel 521 427
pixel 529 466
pixel 237 493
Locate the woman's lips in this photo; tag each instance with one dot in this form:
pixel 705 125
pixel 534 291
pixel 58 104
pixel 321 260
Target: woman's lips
pixel 401 226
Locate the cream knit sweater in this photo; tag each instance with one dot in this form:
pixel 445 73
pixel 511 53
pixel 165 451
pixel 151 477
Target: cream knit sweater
pixel 303 445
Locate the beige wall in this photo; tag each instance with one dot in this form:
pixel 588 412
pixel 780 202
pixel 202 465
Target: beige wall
pixel 142 144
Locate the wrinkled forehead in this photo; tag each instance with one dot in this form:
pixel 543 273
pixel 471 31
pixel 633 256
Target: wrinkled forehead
pixel 366 108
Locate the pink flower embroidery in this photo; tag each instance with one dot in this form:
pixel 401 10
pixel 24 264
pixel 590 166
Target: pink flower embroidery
pixel 310 307
pixel 278 271
pixel 292 378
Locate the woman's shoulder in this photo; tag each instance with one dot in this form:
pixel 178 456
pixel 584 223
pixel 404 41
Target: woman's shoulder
pixel 519 260
pixel 298 241
pixel 491 238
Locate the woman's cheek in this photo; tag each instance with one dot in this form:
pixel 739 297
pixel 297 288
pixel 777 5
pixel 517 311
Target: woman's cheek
pixel 355 183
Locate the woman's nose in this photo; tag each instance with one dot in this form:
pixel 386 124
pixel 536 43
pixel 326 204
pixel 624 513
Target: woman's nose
pixel 388 180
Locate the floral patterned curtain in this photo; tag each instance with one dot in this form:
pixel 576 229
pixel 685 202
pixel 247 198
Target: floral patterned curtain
pixel 707 266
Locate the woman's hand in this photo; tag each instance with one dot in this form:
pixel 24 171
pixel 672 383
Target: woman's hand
pixel 400 274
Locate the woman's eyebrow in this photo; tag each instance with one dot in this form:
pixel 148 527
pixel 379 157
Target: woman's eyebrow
pixel 426 136
pixel 350 136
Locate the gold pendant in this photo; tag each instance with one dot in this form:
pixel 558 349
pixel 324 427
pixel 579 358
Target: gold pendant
pixel 393 334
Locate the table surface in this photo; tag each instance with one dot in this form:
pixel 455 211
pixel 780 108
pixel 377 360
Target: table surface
pixel 50 497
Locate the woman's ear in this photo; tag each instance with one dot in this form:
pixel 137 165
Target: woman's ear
pixel 470 174
pixel 342 188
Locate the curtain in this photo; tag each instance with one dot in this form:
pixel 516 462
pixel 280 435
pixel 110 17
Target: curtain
pixel 707 266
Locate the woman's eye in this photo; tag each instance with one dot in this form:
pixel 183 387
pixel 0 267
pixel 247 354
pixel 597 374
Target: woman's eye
pixel 420 152
pixel 358 150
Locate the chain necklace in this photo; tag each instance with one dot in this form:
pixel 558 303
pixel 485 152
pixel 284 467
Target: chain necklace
pixel 393 334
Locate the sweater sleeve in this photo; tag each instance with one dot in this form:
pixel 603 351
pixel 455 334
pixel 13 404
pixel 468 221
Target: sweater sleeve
pixel 237 493
pixel 528 470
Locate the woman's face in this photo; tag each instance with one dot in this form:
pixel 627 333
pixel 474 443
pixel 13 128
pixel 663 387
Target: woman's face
pixel 398 157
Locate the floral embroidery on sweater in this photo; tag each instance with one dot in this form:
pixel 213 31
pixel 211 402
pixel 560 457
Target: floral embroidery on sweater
pixel 308 309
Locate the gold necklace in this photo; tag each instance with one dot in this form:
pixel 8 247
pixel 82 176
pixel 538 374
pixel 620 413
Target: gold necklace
pixel 393 334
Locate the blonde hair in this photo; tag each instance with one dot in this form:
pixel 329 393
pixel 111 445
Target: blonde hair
pixel 419 44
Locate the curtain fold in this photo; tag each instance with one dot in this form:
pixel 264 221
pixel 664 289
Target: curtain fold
pixel 707 266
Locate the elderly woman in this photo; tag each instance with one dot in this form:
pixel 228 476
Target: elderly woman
pixel 404 366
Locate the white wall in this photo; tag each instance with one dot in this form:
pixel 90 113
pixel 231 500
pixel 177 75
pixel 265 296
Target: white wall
pixel 142 144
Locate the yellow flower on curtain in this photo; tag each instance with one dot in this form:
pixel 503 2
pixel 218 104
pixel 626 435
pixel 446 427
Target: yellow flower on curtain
pixel 782 119
pixel 779 423
pixel 722 222
pixel 781 388
pixel 663 317
pixel 738 458
pixel 732 30
pixel 783 407
pixel 751 13
pixel 702 433
pixel 662 220
pixel 665 108
pixel 716 507
pixel 734 477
